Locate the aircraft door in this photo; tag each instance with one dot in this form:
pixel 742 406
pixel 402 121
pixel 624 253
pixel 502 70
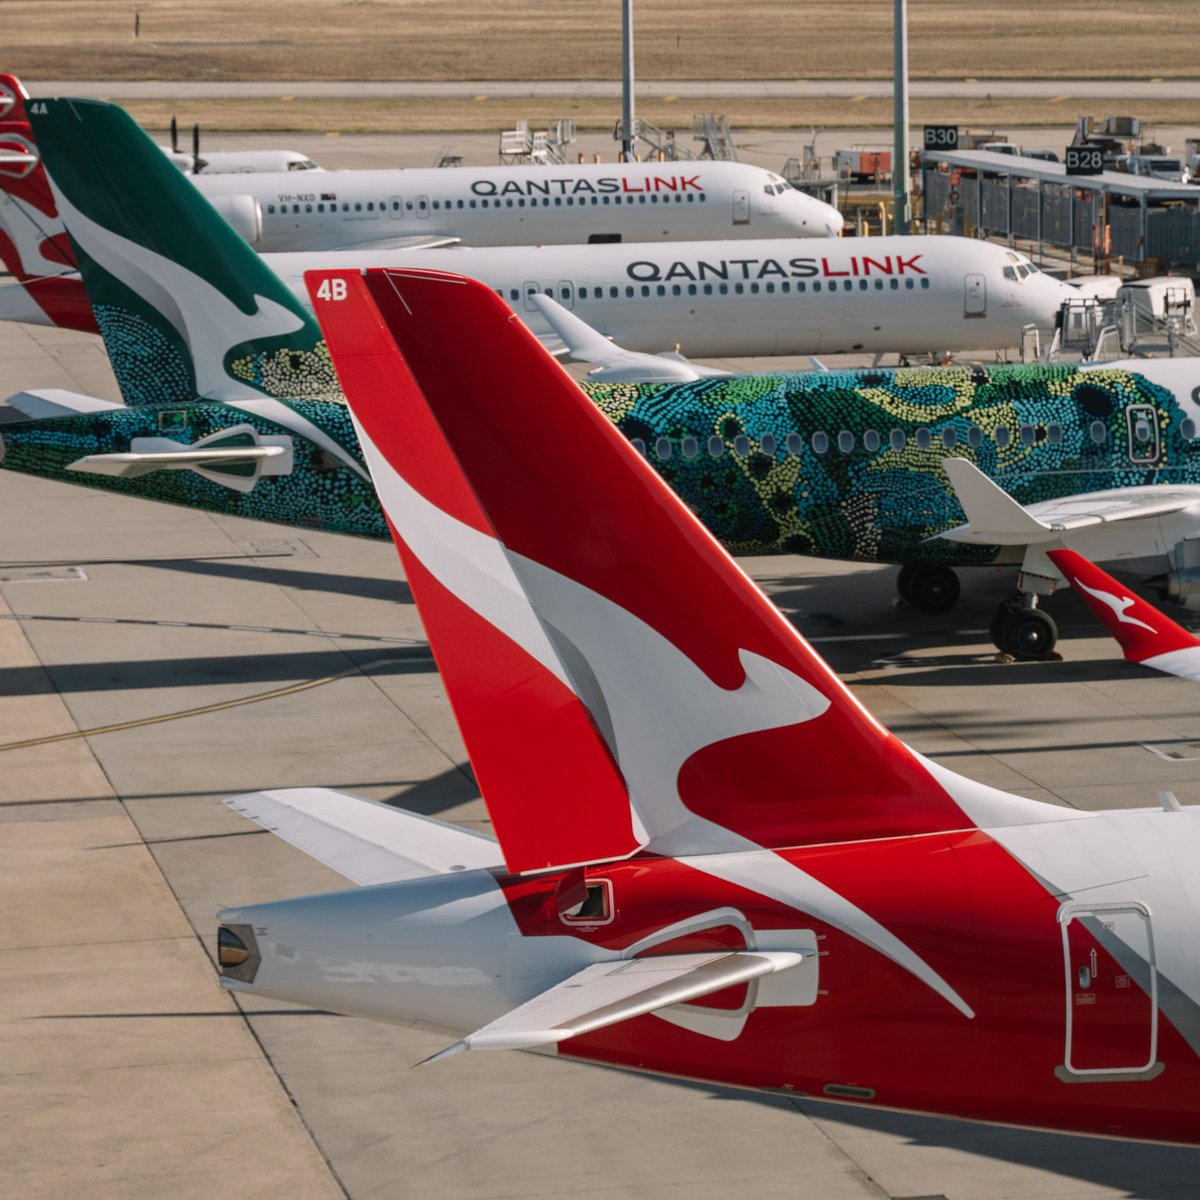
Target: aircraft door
pixel 741 207
pixel 1111 993
pixel 422 206
pixel 1141 422
pixel 396 208
pixel 529 289
pixel 566 293
pixel 974 295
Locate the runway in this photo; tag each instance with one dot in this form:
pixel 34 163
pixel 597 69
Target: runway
pixel 649 89
pixel 179 658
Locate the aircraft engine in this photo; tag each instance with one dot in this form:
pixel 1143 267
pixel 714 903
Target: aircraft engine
pixel 1178 586
pixel 243 213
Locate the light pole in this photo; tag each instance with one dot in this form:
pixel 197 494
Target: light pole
pixel 902 203
pixel 627 79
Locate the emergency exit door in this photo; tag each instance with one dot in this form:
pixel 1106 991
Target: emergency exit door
pixel 741 207
pixel 1111 992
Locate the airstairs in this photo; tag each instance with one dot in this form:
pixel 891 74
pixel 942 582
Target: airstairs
pixel 711 131
pixel 1095 329
pixel 523 146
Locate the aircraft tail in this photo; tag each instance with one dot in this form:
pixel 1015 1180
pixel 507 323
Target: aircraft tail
pixel 33 244
pixel 620 684
pixel 1145 635
pixel 186 308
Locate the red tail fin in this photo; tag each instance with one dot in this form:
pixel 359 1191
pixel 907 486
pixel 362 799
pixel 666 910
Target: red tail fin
pixel 1144 634
pixel 32 240
pixel 587 610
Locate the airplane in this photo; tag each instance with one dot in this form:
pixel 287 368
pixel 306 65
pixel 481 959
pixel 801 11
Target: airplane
pixel 300 206
pixel 1146 636
pixel 913 294
pixel 666 893
pixel 839 464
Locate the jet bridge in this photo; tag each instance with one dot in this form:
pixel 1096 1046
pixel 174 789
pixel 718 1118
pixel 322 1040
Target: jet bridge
pixel 1109 214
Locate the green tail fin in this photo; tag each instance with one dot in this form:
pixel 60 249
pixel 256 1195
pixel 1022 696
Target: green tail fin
pixel 186 308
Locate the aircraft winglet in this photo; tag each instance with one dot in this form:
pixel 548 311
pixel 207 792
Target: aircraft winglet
pixel 994 518
pixel 618 680
pixel 1145 635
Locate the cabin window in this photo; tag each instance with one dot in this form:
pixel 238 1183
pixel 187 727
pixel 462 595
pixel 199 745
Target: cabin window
pixel 689 447
pixel 270 208
pixel 371 205
pixel 817 286
pixel 1187 429
pixel 708 291
pixel 949 438
pixel 460 204
pixel 974 437
pixel 1003 435
pixel 629 292
pixel 847 285
pixel 820 442
pixel 924 283
pixel 924 439
pixel 691 289
pixel 879 285
pixel 646 290
pixel 357 207
pixel 862 285
pixel 614 293
pixel 871 441
pixel 801 287
pixel 662 449
pixel 716 447
pixel 785 287
pixel 583 293
pixel 897 439
pixel 794 443
pixel 894 284
pixel 770 288
pixel 1026 435
pixel 909 285
pixel 676 290
pixel 845 441
pixel 739 288
pixel 1141 431
pixel 767 444
pixel 741 445
pixel 639 446
pixel 723 288
pixel 295 208
pixel 1054 435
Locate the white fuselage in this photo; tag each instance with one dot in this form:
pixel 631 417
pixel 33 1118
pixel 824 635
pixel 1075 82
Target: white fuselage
pixel 509 206
pixel 876 295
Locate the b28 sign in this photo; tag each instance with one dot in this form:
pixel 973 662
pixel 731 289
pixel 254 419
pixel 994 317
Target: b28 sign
pixel 1084 160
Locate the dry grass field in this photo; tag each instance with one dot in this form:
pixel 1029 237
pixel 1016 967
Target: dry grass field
pixel 580 39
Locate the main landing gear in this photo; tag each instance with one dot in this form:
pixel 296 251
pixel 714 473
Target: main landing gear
pixel 928 587
pixel 1019 628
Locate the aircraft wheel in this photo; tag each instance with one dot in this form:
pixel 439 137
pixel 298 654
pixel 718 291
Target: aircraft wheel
pixel 1029 635
pixel 933 589
pixel 904 582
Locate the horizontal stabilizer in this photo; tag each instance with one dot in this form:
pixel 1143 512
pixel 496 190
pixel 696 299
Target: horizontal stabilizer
pixel 614 364
pixel 1144 634
pixel 365 841
pixel 236 458
pixel 606 993
pixel 43 404
pixel 413 242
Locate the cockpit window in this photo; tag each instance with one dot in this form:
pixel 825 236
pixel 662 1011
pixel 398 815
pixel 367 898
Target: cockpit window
pixel 1010 273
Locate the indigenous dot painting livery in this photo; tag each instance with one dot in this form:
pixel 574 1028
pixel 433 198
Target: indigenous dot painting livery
pixel 834 464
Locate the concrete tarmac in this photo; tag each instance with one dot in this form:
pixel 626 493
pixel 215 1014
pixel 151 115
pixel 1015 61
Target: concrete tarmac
pixel 126 1073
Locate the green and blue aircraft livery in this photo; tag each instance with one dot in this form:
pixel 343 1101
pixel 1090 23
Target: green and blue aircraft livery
pixel 203 338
